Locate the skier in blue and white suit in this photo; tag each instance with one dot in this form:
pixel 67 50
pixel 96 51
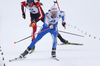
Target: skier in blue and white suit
pixel 50 21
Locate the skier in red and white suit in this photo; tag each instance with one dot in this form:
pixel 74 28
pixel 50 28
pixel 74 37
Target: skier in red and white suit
pixel 36 14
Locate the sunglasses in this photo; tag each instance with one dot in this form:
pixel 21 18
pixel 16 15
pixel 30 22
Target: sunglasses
pixel 53 12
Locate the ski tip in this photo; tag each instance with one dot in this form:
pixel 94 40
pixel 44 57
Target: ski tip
pixel 15 58
pixel 14 42
pixel 55 58
pixel 9 60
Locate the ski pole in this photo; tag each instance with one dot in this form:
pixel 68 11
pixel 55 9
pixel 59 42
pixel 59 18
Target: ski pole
pixel 67 32
pixel 59 9
pixel 57 4
pixel 31 36
pixel 23 39
pixel 71 33
pixel 65 28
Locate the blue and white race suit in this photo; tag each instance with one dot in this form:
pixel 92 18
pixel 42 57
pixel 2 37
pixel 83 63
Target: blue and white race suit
pixel 47 21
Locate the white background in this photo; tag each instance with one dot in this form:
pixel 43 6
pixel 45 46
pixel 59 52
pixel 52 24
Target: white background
pixel 82 16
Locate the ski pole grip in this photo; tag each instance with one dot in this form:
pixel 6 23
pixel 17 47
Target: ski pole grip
pixel 55 1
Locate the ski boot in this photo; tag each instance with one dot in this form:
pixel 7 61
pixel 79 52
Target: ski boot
pixel 25 53
pixel 32 50
pixel 53 52
pixel 65 42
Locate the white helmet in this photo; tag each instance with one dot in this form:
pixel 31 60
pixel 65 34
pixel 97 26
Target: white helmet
pixel 54 8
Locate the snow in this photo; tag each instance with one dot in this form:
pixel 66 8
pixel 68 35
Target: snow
pixel 84 15
pixel 1 61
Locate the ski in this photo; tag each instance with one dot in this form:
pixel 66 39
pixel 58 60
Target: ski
pixel 69 43
pixel 55 58
pixel 17 58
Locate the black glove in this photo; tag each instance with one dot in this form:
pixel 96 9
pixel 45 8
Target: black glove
pixel 64 24
pixel 23 15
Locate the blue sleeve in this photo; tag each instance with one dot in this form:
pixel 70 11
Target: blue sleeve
pixel 45 16
pixel 62 15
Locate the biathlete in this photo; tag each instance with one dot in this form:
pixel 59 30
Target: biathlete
pixel 36 14
pixel 50 21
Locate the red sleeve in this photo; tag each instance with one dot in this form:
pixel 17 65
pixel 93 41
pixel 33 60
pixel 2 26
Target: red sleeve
pixel 23 4
pixel 39 10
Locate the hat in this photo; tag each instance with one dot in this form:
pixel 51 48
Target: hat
pixel 53 8
pixel 29 1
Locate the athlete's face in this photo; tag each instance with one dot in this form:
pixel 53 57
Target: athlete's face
pixel 30 4
pixel 53 14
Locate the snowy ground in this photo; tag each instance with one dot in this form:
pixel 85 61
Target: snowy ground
pixel 84 15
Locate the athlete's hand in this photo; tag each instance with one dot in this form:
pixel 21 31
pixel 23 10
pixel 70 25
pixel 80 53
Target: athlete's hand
pixel 33 24
pixel 51 26
pixel 23 15
pixel 64 24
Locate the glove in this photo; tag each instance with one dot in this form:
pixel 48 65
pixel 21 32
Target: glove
pixel 23 15
pixel 51 26
pixel 64 24
pixel 33 24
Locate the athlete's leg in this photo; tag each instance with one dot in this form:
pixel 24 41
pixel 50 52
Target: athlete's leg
pixel 34 18
pixel 54 36
pixel 39 36
pixel 43 17
pixel 61 39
